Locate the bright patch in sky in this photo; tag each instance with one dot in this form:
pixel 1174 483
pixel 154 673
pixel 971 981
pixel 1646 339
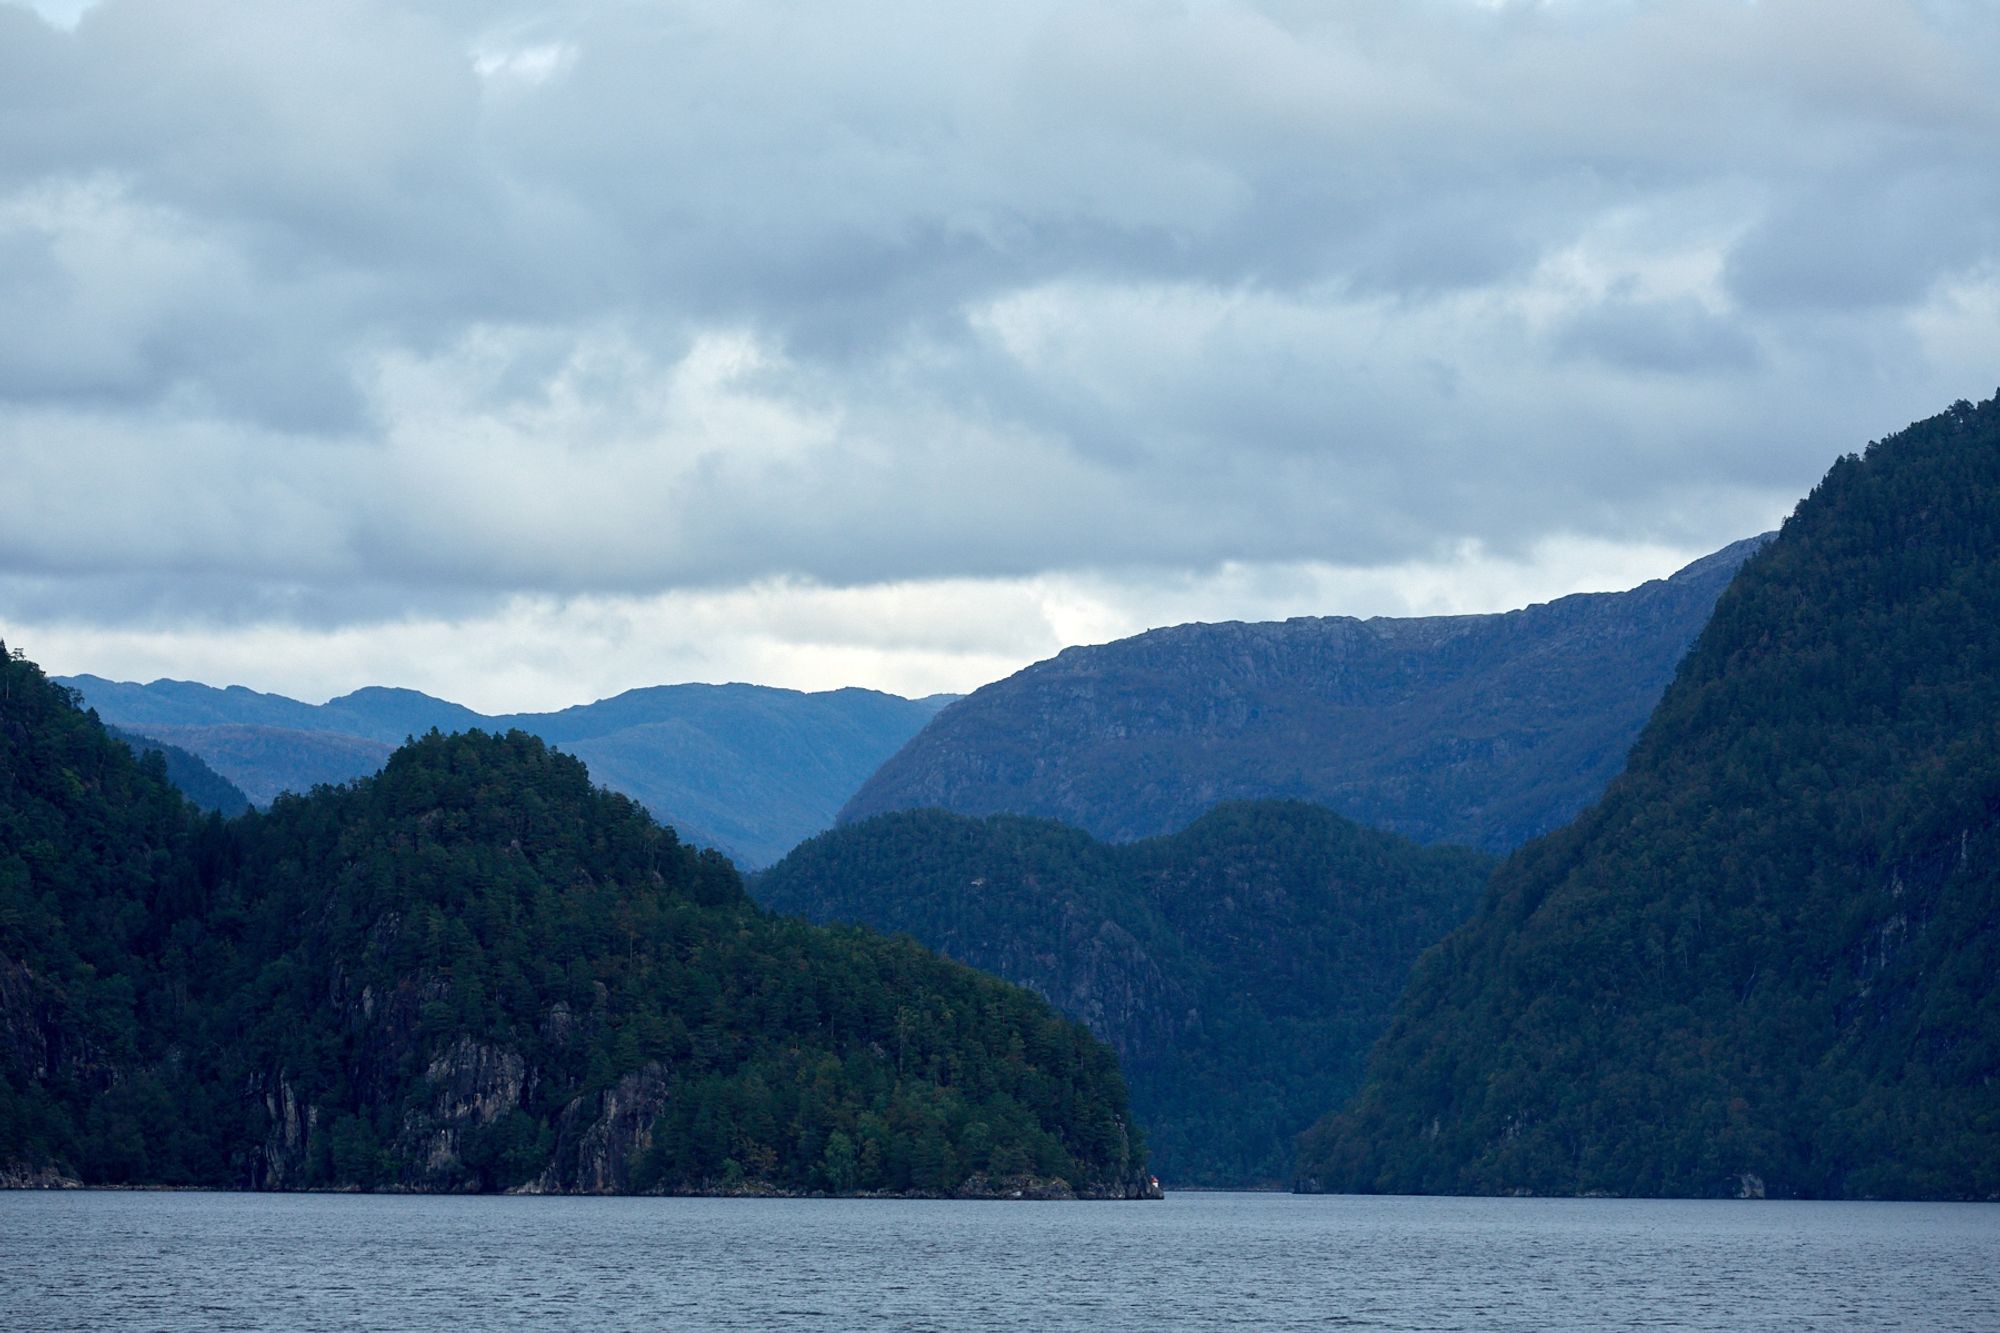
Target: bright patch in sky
pixel 522 64
pixel 62 13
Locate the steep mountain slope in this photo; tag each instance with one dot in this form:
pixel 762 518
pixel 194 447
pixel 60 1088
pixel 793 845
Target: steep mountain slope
pixel 186 770
pixel 1769 959
pixel 95 847
pixel 477 971
pixel 1481 730
pixel 1241 968
pixel 743 768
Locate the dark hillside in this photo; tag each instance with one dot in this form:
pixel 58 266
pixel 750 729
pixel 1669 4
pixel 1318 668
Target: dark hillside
pixel 1241 968
pixel 476 971
pixel 1768 959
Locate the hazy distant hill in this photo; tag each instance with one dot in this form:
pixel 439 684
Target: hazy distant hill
pixel 1241 967
pixel 187 771
pixel 264 761
pixel 1768 961
pixel 745 768
pixel 1485 730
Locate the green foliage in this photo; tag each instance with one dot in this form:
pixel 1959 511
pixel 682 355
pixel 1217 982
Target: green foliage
pixel 475 971
pixel 1770 953
pixel 95 852
pixel 1241 968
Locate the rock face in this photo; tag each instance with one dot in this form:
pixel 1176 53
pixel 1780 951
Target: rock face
pixel 36 1037
pixel 450 1143
pixel 601 1138
pixel 1480 730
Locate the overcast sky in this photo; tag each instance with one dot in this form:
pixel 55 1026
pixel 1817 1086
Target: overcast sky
pixel 527 352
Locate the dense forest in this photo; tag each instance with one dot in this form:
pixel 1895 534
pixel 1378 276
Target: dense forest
pixel 1480 730
pixel 475 971
pixel 1241 967
pixel 1768 962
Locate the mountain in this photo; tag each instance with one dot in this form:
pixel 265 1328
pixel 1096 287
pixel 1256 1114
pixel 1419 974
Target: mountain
pixel 1768 961
pixel 195 779
pixel 1483 730
pixel 265 761
pixel 744 768
pixel 478 971
pixel 1241 968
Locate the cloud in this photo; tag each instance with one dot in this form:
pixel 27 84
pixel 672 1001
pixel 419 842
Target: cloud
pixel 914 638
pixel 332 318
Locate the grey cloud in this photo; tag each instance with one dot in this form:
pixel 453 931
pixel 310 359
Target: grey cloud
pixel 1874 243
pixel 240 599
pixel 1678 337
pixel 1028 288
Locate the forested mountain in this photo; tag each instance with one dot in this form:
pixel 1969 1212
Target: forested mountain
pixel 1482 730
pixel 476 971
pixel 1769 959
pixel 744 768
pixel 1241 967
pixel 195 779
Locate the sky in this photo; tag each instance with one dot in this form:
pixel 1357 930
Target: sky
pixel 527 352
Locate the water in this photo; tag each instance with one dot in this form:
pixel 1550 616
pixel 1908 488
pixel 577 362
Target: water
pixel 1266 1261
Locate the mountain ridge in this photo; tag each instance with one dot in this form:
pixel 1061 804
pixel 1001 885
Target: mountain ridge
pixel 750 769
pixel 1484 730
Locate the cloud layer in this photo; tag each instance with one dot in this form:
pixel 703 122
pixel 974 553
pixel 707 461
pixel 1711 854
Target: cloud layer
pixel 330 320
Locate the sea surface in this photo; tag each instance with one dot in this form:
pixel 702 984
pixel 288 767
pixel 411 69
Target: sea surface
pixel 90 1260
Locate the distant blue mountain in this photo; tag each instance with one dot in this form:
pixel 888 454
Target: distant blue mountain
pixel 747 769
pixel 1485 730
pixel 197 781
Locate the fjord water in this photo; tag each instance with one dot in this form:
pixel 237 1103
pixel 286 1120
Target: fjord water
pixel 234 1261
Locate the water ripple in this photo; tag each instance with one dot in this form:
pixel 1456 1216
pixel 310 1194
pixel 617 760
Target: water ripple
pixel 233 1261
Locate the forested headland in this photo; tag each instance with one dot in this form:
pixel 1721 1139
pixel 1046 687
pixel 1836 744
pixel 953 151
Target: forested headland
pixel 477 972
